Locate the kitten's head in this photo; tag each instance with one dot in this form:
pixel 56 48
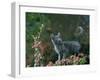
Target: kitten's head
pixel 56 38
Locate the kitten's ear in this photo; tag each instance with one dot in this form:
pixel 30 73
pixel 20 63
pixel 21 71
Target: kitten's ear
pixel 59 34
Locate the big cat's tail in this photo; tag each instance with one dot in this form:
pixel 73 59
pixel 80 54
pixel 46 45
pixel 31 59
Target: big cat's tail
pixel 78 33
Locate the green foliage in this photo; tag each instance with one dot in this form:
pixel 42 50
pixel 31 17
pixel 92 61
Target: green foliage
pixel 82 60
pixel 39 26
